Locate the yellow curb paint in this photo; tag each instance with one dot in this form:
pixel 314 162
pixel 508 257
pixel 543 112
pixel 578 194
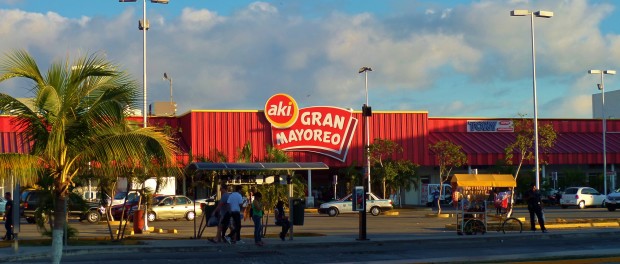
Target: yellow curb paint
pixel 391 213
pixel 172 231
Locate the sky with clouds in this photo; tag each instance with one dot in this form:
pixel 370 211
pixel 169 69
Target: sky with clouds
pixel 450 58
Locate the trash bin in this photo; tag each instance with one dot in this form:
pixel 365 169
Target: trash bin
pixel 138 221
pixel 299 205
pixel 207 209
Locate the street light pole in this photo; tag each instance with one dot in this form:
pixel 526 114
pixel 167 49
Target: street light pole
pixel 144 26
pixel 543 14
pixel 366 113
pixel 601 86
pixel 168 78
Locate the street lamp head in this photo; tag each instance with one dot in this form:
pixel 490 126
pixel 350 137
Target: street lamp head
pixel 365 69
pixel 594 71
pixel 545 14
pixel 123 1
pixel 159 1
pixel 166 76
pixel 520 12
pixel 610 72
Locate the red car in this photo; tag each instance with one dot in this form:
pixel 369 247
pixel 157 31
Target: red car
pixel 117 210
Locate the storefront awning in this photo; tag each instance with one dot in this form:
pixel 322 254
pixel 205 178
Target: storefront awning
pixel 211 166
pixel 484 180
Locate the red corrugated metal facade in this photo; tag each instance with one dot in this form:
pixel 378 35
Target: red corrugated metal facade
pixel 206 132
pixel 228 131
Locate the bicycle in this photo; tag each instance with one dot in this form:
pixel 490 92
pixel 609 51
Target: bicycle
pixel 476 226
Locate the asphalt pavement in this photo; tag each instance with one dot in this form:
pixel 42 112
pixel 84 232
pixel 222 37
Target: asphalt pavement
pixel 428 230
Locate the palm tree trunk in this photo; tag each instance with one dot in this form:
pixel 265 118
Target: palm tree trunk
pixel 60 220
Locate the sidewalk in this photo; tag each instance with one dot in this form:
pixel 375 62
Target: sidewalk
pixel 422 229
pixel 183 245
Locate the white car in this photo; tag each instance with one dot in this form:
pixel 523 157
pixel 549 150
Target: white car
pixel 374 205
pixel 582 197
pixel 612 200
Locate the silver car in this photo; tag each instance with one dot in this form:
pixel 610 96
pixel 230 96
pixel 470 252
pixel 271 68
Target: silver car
pixel 374 205
pixel 612 201
pixel 171 207
pixel 582 197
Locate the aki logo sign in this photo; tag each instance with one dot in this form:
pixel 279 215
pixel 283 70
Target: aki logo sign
pixel 326 130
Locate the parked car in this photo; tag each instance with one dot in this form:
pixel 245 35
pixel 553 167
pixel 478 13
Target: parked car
pixel 582 197
pixel 117 209
pixel 374 205
pixel 32 199
pixel 2 205
pixel 170 207
pixel 612 200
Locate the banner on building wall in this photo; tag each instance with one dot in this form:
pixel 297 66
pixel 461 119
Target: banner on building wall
pixel 326 130
pixel 490 126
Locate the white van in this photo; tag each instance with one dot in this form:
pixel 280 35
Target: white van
pixel 427 193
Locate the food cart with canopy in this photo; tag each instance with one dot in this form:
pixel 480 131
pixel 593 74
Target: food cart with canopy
pixel 471 192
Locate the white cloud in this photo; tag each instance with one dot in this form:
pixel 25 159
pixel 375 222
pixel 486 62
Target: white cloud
pixel 464 60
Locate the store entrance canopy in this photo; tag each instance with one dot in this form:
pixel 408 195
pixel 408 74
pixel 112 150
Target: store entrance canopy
pixel 484 180
pixel 212 166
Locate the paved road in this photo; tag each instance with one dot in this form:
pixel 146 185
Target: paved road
pixel 408 221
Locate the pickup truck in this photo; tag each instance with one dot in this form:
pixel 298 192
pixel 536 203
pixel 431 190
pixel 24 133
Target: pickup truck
pixel 32 199
pixel 374 205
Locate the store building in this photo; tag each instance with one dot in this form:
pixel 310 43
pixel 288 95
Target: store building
pixel 334 136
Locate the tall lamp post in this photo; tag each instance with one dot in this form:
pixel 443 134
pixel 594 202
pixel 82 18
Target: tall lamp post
pixel 532 14
pixel 143 25
pixel 366 113
pixel 168 78
pixel 601 86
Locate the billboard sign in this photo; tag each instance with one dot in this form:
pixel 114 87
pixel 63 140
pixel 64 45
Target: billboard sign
pixel 326 130
pixel 490 126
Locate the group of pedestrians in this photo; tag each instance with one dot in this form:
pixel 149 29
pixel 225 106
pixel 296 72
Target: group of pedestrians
pixel 229 211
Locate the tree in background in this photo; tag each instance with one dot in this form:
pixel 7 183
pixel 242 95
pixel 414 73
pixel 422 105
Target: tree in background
pixel 78 115
pixel 404 177
pixel 351 175
pixel 379 151
pixel 523 145
pixel 449 155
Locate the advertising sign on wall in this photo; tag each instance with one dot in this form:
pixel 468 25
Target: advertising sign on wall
pixel 326 130
pixel 489 126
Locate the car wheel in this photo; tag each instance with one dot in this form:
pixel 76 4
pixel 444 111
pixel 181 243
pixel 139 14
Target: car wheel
pixel 332 211
pixel 30 220
pixel 151 216
pixel 582 205
pixel 190 216
pixel 611 208
pixel 93 217
pixel 375 211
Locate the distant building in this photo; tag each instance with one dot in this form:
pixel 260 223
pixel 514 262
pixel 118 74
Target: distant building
pixel 612 108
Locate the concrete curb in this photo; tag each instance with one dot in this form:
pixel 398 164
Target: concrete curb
pixel 188 245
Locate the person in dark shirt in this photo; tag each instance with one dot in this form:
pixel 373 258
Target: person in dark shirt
pixel 282 220
pixel 8 217
pixel 534 205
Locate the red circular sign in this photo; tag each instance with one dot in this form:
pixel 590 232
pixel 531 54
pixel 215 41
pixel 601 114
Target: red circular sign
pixel 281 110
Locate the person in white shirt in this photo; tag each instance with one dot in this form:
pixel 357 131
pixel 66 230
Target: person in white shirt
pixel 235 202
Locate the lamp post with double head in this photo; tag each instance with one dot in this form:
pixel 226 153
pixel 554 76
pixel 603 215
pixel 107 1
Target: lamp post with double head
pixel 532 14
pixel 601 86
pixel 143 25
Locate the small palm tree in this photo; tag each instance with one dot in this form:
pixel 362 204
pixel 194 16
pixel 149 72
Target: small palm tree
pixel 78 116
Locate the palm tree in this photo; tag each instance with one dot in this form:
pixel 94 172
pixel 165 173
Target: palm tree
pixel 78 115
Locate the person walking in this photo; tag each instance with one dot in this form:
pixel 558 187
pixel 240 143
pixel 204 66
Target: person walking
pixel 534 206
pixel 8 216
pixel 257 217
pixel 282 220
pixel 222 211
pixel 235 202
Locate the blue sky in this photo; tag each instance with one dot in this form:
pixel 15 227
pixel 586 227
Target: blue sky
pixel 450 58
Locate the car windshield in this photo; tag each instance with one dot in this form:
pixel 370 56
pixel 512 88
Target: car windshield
pixel 120 195
pixel 571 191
